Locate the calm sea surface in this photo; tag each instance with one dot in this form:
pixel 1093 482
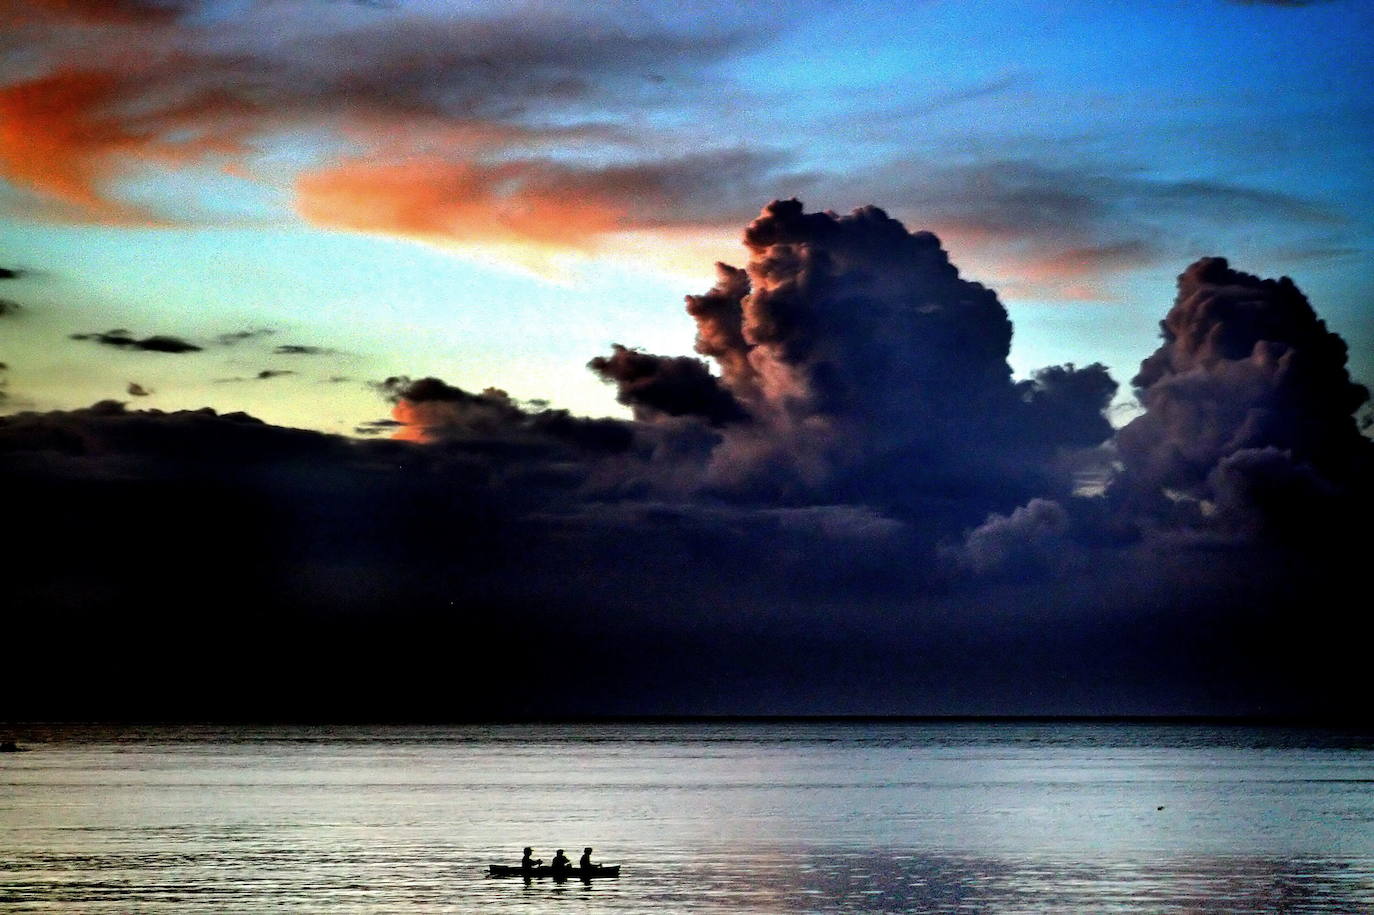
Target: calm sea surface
pixel 737 817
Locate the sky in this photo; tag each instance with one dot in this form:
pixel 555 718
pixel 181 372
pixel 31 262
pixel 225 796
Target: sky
pixel 343 335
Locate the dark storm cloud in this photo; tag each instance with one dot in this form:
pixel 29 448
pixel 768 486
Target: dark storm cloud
pixel 1248 435
pixel 870 371
pixel 670 385
pixel 719 316
pixel 122 339
pixel 1032 536
pixel 371 566
pixel 891 527
pixel 1248 382
pixel 1245 363
pixel 1070 403
pixel 106 433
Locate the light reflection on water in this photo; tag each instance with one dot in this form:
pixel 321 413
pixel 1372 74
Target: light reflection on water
pixel 704 818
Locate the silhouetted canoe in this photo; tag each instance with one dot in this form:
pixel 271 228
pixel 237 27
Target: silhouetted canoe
pixel 506 870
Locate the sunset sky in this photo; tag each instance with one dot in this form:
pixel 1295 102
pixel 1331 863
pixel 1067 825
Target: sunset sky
pixel 493 193
pixel 356 217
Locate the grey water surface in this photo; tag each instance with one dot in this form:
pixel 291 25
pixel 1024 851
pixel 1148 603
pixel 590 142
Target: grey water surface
pixel 703 817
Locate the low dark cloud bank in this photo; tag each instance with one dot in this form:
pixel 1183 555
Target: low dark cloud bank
pixel 843 503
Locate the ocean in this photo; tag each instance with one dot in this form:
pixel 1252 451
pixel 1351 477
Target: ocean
pixel 704 817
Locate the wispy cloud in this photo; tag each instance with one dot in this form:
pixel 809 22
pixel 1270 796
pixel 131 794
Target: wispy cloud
pixel 299 349
pixel 121 12
pixel 239 336
pixel 1064 231
pixel 414 87
pixel 535 200
pixel 264 375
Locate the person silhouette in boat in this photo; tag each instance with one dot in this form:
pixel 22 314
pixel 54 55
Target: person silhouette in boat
pixel 529 863
pixel 560 863
pixel 585 862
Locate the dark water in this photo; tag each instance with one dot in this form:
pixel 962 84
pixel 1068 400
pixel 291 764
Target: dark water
pixel 853 817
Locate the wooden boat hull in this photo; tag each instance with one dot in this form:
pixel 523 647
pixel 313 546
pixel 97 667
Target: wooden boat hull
pixel 575 873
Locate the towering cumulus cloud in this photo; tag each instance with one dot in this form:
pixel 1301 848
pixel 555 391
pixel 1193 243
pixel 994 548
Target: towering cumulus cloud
pixel 868 369
pixel 1248 403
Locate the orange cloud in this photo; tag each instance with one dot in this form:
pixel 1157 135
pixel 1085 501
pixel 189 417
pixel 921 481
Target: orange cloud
pixel 1080 274
pixel 1090 261
pixel 1041 266
pixel 459 201
pixel 460 116
pixel 65 134
pixel 540 201
pixel 415 418
pixel 91 11
pixel 54 138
